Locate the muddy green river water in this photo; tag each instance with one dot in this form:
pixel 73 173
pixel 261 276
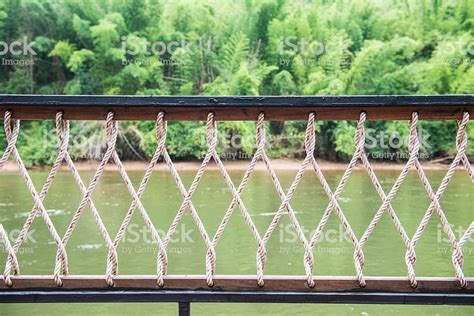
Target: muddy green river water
pixel 384 252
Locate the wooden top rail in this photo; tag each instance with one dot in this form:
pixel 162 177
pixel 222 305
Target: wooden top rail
pixel 244 283
pixel 433 107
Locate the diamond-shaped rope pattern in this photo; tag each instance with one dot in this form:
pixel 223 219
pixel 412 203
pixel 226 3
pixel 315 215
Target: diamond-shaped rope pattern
pixel 12 129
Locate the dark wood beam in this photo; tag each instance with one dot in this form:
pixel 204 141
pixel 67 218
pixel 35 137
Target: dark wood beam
pixel 433 107
pixel 245 283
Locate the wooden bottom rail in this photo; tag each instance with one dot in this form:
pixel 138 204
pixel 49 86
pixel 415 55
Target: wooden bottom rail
pixel 443 285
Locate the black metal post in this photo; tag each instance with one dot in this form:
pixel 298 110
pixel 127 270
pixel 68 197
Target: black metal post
pixel 184 308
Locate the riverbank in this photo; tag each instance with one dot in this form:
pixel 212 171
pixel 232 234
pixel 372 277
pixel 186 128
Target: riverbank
pixel 236 165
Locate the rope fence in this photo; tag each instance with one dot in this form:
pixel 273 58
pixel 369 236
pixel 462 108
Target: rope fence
pixel 61 268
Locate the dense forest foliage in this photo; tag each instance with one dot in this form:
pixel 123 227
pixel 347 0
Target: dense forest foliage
pixel 210 47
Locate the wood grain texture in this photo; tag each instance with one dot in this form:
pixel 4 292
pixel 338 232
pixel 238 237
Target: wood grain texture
pixel 193 108
pixel 245 283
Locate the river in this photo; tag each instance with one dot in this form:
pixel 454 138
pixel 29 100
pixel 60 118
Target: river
pixel 384 252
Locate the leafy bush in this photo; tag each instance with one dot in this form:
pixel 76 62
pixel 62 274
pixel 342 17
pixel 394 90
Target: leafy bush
pixel 271 47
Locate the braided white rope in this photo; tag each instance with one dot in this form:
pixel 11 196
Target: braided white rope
pixel 260 154
pixel 413 145
pixel 461 144
pixel 12 136
pixel 285 205
pixel 462 139
pixel 11 253
pixel 111 129
pixel 211 132
pixel 112 266
pixel 11 141
pixel 161 131
pixel 467 234
pixel 334 205
pixel 111 133
pixel 62 129
pixel 187 203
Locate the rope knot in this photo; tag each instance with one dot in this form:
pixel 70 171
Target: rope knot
pixel 62 130
pixel 413 142
pixel 461 136
pixel 260 134
pixel 359 138
pixel 7 119
pixel 161 131
pixel 161 127
pixel 11 136
pixel 111 129
pixel 310 140
pixel 211 131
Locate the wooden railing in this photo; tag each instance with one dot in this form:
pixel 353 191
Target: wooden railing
pixel 251 288
pixel 276 108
